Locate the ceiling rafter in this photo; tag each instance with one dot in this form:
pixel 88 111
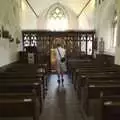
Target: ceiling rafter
pixel 84 8
pixel 32 8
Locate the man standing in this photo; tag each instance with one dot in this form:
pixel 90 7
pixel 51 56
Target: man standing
pixel 61 63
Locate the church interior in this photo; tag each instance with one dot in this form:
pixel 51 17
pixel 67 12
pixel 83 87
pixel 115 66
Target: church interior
pixel 88 31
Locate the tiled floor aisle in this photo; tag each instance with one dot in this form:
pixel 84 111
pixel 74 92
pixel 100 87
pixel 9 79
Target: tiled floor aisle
pixel 61 102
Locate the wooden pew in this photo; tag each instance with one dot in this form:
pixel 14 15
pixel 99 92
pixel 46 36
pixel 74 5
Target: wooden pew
pixel 98 78
pixel 93 94
pixel 24 83
pixel 92 88
pixel 21 82
pixel 87 65
pixel 111 107
pixel 19 105
pixel 84 80
pixel 22 86
pixel 40 70
pixel 18 85
pixel 92 82
pixel 25 78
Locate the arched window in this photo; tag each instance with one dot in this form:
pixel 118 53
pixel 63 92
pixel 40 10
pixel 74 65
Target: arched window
pixel 57 19
pixel 115 29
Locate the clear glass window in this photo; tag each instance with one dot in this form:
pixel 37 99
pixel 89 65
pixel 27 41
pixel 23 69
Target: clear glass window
pixel 57 20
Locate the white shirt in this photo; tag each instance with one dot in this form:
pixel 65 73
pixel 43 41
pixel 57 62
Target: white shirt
pixel 62 53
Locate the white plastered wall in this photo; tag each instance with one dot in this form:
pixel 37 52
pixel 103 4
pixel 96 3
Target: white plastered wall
pixel 28 18
pixel 104 16
pixel 86 19
pixel 117 55
pixel 10 20
pixel 72 19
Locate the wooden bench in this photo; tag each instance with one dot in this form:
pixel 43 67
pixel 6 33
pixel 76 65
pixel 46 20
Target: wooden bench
pixel 97 85
pixel 91 92
pixel 91 98
pixel 18 82
pixel 20 86
pixel 111 107
pixel 19 105
pixel 26 79
pixel 40 70
pixel 83 80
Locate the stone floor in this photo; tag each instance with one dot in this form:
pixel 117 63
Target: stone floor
pixel 61 102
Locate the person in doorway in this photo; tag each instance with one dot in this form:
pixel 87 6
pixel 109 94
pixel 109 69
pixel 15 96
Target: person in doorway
pixel 61 62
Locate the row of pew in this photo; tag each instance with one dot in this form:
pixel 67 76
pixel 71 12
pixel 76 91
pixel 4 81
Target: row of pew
pixel 98 89
pixel 23 88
